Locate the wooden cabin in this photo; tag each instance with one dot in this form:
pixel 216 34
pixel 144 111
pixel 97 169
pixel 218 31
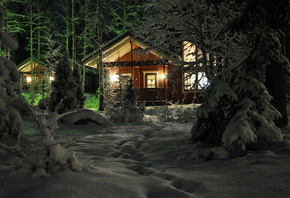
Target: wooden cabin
pixel 37 72
pixel 33 71
pixel 153 72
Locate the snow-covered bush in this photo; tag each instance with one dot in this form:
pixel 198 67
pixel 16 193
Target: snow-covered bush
pixel 186 114
pixel 126 110
pixel 236 112
pixel 84 116
pixel 176 112
pixel 164 113
pixel 66 94
pixel 48 155
pixel 10 120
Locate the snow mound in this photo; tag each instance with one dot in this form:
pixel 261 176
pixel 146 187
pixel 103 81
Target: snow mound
pixel 83 116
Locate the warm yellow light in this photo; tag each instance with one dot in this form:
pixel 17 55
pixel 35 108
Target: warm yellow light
pixel 162 76
pixel 114 77
pixel 51 78
pixel 28 78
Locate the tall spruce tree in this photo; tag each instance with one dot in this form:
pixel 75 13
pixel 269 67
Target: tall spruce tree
pixel 10 119
pixel 100 31
pixel 266 23
pixel 67 93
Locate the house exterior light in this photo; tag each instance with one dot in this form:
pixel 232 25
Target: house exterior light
pixel 114 77
pixel 28 79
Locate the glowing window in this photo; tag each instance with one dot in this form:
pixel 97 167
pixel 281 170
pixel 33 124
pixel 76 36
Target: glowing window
pixel 197 81
pixel 123 78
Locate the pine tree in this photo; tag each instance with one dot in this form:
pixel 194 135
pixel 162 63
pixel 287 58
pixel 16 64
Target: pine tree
pixel 132 112
pixel 10 119
pixel 236 113
pixel 64 88
pixel 122 105
pixel 265 24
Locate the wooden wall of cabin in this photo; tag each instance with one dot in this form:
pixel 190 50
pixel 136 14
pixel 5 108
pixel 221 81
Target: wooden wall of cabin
pixel 137 54
pixel 138 74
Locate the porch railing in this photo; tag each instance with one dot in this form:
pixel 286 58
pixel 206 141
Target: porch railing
pixel 151 94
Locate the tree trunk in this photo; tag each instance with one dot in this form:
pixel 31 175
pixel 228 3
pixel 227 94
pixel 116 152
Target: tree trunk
pixel 276 84
pixel 100 61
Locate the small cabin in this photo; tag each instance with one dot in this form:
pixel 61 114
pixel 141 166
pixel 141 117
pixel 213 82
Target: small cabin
pixel 32 71
pixel 153 72
pixel 37 72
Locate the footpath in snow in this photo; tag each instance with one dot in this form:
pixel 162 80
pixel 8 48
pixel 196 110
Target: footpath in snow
pixel 151 160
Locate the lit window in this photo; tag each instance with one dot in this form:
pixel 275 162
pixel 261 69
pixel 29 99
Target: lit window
pixel 197 81
pixel 123 78
pixel 51 78
pixel 189 52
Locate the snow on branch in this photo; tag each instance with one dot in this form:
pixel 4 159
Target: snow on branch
pixel 237 113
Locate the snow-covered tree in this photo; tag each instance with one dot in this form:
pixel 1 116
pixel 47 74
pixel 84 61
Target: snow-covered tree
pixel 10 119
pixel 121 103
pixel 80 89
pixel 131 111
pixel 66 93
pixel 266 23
pixel 171 23
pixel 237 113
pixel 49 155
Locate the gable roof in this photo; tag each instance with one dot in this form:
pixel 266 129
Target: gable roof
pixel 120 46
pixel 25 66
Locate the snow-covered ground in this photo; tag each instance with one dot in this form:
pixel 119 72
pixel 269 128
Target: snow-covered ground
pixel 150 160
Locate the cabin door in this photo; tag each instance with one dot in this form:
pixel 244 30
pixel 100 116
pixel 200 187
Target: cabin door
pixel 150 80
